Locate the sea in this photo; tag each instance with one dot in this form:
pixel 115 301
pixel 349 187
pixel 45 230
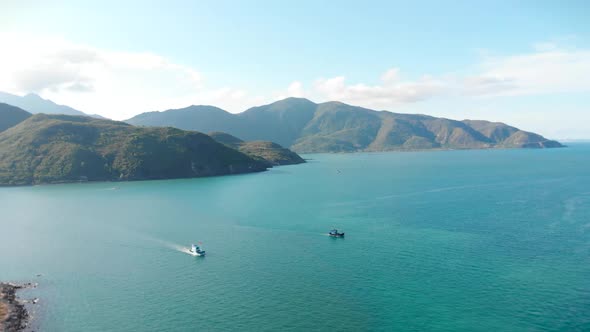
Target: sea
pixel 476 240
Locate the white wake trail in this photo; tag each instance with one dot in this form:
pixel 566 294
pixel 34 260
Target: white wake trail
pixel 176 247
pixel 169 245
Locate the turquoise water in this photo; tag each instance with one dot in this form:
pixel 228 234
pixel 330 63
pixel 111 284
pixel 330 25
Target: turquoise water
pixel 435 241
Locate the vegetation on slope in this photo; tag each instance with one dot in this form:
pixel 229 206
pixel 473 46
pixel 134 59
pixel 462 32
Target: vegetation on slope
pixel 269 152
pixel 10 116
pixel 61 148
pixel 307 127
pixel 506 136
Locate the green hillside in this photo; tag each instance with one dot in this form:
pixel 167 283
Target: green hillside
pixel 272 153
pixel 61 148
pixel 11 116
pixel 306 127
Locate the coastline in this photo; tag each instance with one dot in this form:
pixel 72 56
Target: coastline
pixel 439 149
pixel 3 185
pixel 13 314
pixel 113 180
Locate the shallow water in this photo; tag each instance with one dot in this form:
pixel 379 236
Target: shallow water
pixel 435 241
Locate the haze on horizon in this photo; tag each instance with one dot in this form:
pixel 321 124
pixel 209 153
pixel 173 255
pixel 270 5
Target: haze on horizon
pixel 525 64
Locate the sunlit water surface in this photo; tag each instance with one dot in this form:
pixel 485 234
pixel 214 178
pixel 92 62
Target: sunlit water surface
pixel 435 241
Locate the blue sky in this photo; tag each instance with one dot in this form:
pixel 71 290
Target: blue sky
pixel 524 63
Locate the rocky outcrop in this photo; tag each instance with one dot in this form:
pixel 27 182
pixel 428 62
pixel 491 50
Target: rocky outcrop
pixel 13 314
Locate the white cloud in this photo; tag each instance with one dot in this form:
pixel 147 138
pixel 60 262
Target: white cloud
pixel 295 89
pixel 482 85
pixel 390 76
pixel 391 92
pixel 122 84
pixel 547 70
pixel 111 83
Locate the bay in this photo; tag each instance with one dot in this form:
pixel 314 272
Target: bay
pixel 479 240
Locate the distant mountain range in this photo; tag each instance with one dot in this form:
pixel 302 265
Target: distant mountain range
pixel 53 148
pixel 34 104
pixel 307 127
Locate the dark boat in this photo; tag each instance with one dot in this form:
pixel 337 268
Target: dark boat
pixel 334 233
pixel 196 250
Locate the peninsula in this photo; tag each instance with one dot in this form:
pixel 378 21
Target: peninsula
pixel 62 148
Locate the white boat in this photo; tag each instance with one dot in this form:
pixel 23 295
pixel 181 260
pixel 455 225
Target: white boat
pixel 195 250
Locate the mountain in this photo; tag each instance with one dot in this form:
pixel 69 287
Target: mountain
pixel 199 116
pixel 307 127
pixel 97 116
pixel 11 116
pixel 280 122
pixel 33 103
pixel 270 152
pixel 62 148
pixel 507 136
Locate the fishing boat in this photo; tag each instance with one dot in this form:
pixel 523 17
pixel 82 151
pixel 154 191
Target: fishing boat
pixel 335 233
pixel 195 250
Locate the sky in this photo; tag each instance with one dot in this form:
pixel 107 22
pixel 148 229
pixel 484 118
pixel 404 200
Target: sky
pixel 525 63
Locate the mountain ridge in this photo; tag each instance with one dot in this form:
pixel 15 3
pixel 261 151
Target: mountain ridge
pixel 307 127
pixel 10 116
pixel 33 103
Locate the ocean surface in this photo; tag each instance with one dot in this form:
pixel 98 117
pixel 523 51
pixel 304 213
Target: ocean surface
pixel 495 240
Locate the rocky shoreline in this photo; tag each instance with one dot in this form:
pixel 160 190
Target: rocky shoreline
pixel 13 314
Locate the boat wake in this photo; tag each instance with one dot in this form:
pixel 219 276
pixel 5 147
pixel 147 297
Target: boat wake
pixel 170 245
pixel 177 247
pixel 185 250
